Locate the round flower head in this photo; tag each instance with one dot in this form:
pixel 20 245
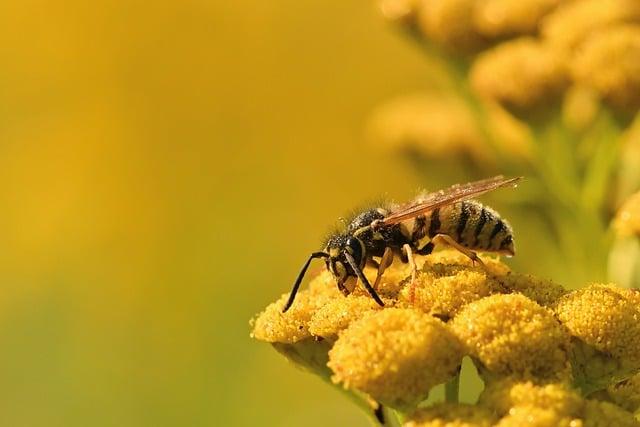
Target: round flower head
pixel 504 394
pixel 451 415
pixel 431 125
pixel 604 318
pixel 580 107
pixel 399 10
pixel 543 291
pixel 395 355
pixel 626 394
pixel 446 290
pixel 609 62
pixel 605 414
pixel 272 325
pixel 521 75
pixel 339 313
pixel 627 220
pixel 449 23
pixel 533 416
pixel 573 22
pixel 606 330
pixel 499 18
pixel 513 335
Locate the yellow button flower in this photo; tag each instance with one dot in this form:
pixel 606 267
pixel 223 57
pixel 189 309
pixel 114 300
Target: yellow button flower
pixel 511 334
pixel 451 415
pixel 396 356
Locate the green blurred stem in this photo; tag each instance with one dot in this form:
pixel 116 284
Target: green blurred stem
pixel 452 389
pixel 578 189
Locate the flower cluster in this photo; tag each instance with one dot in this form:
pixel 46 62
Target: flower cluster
pixel 547 356
pixel 541 88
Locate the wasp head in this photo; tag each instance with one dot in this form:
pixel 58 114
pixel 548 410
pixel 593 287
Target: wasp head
pixel 340 248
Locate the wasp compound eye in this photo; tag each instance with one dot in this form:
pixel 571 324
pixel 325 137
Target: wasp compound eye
pixel 355 247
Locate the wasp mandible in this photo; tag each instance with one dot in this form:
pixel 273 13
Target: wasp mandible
pixel 447 217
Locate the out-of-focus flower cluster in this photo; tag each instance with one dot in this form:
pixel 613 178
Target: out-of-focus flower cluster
pixel 547 89
pixel 547 356
pixel 523 54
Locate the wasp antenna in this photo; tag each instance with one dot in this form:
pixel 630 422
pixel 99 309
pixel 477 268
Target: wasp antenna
pixel 296 285
pixel 363 279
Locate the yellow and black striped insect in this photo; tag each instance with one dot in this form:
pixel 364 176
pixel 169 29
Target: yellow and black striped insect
pixel 444 217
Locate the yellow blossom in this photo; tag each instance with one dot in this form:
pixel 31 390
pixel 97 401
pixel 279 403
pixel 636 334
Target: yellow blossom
pixel 449 23
pixel 605 414
pixel 431 125
pixel 511 334
pixel 395 355
pixel 626 394
pixel 503 395
pixel 499 18
pixel 609 62
pixel 533 416
pixel 339 313
pixel 444 294
pixel 272 325
pixel 603 318
pixel 574 21
pixel 521 75
pixel 580 107
pixel 606 334
pixel 399 10
pixel 543 291
pixel 451 415
pixel 627 220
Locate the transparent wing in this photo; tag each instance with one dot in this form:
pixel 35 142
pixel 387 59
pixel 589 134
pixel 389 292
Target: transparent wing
pixel 450 195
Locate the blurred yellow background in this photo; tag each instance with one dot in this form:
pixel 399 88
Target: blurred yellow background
pixel 166 168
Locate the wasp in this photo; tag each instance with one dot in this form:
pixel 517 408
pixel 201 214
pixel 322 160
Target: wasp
pixel 448 217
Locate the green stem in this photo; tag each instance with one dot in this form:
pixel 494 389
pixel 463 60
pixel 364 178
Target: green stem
pixel 452 389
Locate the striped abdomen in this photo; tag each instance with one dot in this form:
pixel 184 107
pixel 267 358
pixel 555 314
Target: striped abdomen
pixel 469 223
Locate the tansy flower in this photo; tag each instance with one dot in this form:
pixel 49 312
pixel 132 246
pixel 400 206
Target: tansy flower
pixel 521 75
pixel 499 18
pixel 451 415
pixel 504 394
pixel 543 291
pixel 573 22
pixel 396 356
pixel 609 63
pixel 397 353
pixel 533 416
pixel 272 325
pixel 443 291
pixel 627 219
pixel 604 323
pixel 626 394
pixel 339 313
pixel 604 414
pixel 433 126
pixel 449 24
pixel 513 335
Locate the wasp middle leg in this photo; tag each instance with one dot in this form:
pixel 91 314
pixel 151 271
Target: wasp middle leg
pixel 385 262
pixel 407 256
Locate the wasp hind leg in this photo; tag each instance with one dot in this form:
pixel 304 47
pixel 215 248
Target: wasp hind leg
pixel 447 240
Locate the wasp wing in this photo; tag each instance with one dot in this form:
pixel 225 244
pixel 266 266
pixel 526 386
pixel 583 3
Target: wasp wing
pixel 453 194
